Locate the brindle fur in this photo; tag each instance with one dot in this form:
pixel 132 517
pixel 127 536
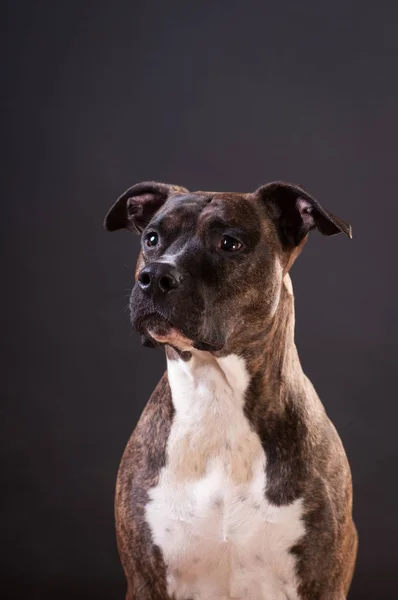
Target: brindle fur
pixel 305 457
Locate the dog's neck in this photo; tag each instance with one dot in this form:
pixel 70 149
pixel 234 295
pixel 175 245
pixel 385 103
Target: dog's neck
pixel 270 364
pixel 273 361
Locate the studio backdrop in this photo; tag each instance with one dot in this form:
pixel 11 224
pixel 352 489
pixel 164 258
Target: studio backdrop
pixel 98 96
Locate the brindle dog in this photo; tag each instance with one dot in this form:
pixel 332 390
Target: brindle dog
pixel 234 483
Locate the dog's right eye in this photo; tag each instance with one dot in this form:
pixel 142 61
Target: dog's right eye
pixel 151 239
pixel 229 244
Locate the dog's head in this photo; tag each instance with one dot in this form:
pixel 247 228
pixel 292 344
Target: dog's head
pixel 211 265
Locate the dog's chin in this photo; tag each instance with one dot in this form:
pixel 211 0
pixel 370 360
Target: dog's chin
pixel 156 331
pixel 163 332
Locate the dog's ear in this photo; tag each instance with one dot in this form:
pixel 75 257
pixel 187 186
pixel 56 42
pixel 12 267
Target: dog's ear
pixel 137 205
pixel 295 213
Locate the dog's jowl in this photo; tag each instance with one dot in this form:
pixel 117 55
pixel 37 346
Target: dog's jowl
pixel 234 483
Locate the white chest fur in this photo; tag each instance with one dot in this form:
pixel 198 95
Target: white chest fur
pixel 219 536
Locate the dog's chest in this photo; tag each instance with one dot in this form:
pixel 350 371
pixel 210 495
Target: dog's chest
pixel 220 538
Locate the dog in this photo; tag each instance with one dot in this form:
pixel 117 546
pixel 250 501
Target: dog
pixel 234 483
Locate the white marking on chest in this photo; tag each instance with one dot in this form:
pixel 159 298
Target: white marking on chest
pixel 220 537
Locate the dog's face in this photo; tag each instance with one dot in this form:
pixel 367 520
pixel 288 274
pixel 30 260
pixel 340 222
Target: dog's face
pixel 211 265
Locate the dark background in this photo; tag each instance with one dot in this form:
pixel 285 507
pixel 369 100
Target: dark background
pixel 212 95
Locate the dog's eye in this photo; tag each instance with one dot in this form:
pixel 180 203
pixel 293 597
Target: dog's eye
pixel 229 244
pixel 151 239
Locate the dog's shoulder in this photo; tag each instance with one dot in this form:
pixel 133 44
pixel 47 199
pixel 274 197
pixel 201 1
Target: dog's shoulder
pixel 299 440
pixel 143 459
pixel 306 459
pixel 145 453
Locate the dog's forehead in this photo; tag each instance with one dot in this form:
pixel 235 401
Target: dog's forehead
pixel 196 208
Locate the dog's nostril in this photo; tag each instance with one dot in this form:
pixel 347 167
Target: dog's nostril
pixel 167 283
pixel 144 278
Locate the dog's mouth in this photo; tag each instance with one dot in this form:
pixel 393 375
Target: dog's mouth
pixel 156 325
pixel 155 330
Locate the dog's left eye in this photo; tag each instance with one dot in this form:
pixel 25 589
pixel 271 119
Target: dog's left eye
pixel 151 239
pixel 229 244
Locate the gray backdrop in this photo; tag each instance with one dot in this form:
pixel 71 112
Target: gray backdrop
pixel 211 95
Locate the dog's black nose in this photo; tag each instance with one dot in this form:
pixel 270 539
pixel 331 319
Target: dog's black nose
pixel 159 277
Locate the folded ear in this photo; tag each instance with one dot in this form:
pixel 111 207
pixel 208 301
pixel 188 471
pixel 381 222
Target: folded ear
pixel 137 205
pixel 295 213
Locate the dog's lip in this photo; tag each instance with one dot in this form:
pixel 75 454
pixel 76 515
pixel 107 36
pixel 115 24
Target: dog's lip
pixel 173 337
pixel 163 331
pixel 144 322
pixel 159 327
